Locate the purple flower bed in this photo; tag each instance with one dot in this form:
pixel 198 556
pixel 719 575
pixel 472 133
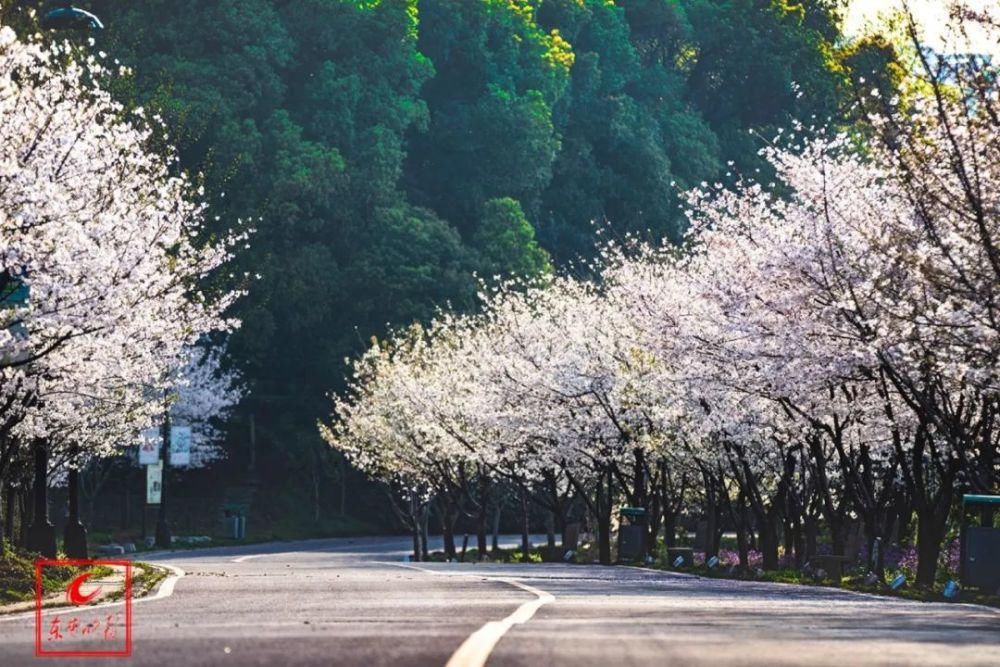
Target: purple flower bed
pixel 896 558
pixel 728 557
pixel 906 557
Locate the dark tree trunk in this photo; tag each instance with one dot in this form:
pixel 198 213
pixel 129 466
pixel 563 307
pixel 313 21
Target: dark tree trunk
pixel 415 522
pixel 448 536
pixel 557 503
pixel 743 546
pixel 74 534
pixel 482 515
pixel 741 520
pixel 670 529
pixel 639 492
pixel 717 534
pixel 931 528
pixel 742 543
pixel 23 513
pixel 126 517
pixel 904 522
pixel 495 546
pixel 425 519
pixel 874 530
pixel 449 512
pixel 41 533
pixel 769 542
pixel 837 538
pixel 800 546
pixel 481 532
pixel 788 538
pixel 604 502
pixel 11 498
pixel 525 531
pixel 711 518
pixel 5 509
pixel 812 536
pixel 876 557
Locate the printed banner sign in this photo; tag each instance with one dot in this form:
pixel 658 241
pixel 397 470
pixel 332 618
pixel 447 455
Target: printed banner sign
pixel 149 446
pixel 154 482
pixel 180 445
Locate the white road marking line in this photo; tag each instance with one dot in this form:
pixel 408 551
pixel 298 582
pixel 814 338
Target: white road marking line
pixel 476 649
pixel 167 587
pixel 165 590
pixel 346 547
pixel 243 559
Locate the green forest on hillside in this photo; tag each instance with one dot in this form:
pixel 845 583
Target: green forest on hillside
pixel 391 154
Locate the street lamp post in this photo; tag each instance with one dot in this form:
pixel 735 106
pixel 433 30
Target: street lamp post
pixel 70 18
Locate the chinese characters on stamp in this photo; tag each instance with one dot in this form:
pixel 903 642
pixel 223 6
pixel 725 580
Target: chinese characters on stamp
pixel 79 630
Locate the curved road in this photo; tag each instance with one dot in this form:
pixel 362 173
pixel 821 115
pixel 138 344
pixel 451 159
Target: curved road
pixel 355 602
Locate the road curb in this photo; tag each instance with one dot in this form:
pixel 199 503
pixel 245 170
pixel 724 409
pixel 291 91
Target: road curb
pixel 806 587
pixel 163 590
pixel 58 601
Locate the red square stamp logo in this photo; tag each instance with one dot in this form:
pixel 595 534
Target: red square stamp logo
pixel 76 628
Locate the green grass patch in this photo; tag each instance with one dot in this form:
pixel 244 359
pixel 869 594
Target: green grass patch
pixel 17 576
pixel 852 582
pixel 284 530
pixel 145 577
pixel 535 555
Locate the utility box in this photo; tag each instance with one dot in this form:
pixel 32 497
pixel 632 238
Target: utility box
pixel 632 533
pixel 980 544
pixel 234 521
pixel 236 504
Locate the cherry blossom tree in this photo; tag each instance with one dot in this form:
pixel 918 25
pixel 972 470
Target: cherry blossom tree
pixel 100 258
pixel 824 347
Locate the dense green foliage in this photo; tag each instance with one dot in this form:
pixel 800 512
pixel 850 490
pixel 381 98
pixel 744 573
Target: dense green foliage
pixel 393 150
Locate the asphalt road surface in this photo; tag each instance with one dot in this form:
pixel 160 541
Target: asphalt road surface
pixel 355 602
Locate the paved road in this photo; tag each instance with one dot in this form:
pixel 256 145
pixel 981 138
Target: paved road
pixel 354 602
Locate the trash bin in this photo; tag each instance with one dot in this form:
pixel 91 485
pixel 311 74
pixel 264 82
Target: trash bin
pixel 234 521
pixel 631 533
pixel 980 545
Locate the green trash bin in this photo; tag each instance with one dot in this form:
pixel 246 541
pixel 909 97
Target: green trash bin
pixel 632 529
pixel 979 561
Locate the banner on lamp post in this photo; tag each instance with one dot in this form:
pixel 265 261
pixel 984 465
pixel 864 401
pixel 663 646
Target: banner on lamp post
pixel 154 483
pixel 180 445
pixel 149 446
